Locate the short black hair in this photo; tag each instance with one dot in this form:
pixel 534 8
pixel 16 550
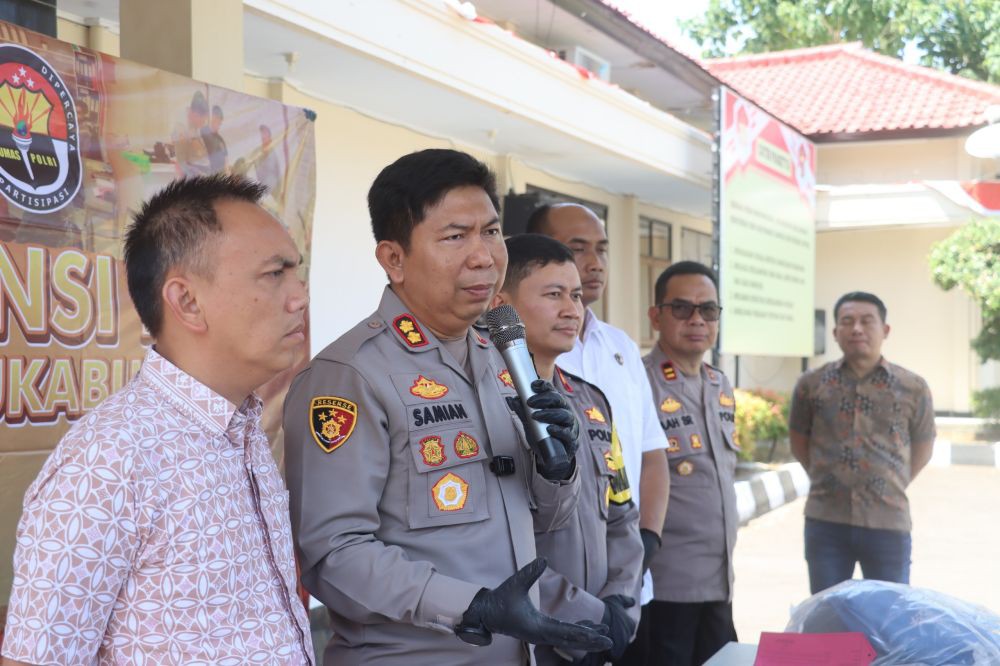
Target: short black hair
pixel 527 253
pixel 538 221
pixel 682 268
pixel 401 194
pixel 864 297
pixel 172 229
pixel 217 111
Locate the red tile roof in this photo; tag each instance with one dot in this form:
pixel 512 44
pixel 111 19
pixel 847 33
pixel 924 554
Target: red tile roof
pixel 845 90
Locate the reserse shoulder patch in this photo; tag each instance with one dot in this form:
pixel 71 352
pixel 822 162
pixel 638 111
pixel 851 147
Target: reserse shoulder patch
pixel 332 420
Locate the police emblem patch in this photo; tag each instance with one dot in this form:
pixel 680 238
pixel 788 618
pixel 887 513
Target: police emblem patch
pixel 409 330
pixel 595 415
pixel 465 445
pixel 332 421
pixel 432 451
pixel 685 468
pixel 673 445
pixel 695 441
pixel 450 492
pixel 428 388
pixel 669 405
pixel 726 400
pixel 668 372
pixel 504 376
pixel 40 167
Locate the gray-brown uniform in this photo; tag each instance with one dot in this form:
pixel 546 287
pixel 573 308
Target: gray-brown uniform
pixel 398 519
pixel 598 550
pixel 697 414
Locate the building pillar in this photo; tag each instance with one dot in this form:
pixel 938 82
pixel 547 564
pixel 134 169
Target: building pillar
pixel 194 38
pixel 623 286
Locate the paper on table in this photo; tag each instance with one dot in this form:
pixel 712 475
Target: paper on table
pixel 841 649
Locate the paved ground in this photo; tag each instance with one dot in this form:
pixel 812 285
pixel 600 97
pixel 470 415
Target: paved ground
pixel 956 547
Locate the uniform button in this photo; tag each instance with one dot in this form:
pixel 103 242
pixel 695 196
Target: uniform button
pixel 374 324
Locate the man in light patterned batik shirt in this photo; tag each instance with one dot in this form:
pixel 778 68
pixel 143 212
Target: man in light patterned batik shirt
pixel 157 531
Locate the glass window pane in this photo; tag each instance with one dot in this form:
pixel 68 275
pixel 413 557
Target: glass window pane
pixel 660 241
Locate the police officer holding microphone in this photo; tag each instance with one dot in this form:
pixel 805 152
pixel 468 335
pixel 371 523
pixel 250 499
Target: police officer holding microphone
pixel 413 485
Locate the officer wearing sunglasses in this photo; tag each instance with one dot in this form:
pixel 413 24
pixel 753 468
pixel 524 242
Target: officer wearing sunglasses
pixel 691 615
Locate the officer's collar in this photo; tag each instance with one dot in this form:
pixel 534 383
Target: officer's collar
pixel 672 375
pixel 563 385
pixel 409 332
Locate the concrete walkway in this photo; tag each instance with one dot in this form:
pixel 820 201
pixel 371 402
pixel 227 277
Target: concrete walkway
pixel 956 548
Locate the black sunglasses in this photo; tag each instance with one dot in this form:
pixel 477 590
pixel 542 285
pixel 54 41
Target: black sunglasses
pixel 683 310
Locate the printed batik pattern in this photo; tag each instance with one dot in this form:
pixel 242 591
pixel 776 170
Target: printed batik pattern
pixel 157 533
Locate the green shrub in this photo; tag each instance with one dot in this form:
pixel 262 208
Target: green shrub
pixel 986 403
pixel 761 417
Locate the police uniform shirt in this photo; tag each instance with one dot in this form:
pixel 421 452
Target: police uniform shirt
pixel 699 533
pixel 609 358
pixel 598 551
pixel 398 519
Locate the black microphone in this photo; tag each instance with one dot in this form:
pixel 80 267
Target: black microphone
pixel 507 334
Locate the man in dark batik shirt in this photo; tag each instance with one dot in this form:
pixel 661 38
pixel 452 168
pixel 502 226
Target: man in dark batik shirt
pixel 863 428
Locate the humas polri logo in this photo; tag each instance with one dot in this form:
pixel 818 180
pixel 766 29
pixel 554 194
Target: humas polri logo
pixel 40 167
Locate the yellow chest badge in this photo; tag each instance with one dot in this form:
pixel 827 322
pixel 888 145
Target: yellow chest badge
pixel 673 445
pixel 450 493
pixel 332 421
pixel 668 372
pixel 505 377
pixel 432 450
pixel 595 415
pixel 428 388
pixel 685 468
pixel 409 331
pixel 726 400
pixel 465 445
pixel 696 441
pixel 669 405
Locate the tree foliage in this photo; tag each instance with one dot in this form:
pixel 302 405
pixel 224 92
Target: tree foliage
pixel 970 260
pixel 959 36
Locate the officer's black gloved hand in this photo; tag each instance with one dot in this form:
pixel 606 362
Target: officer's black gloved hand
pixel 620 624
pixel 551 408
pixel 651 543
pixel 507 610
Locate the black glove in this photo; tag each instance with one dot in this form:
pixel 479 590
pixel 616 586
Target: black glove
pixel 552 409
pixel 651 543
pixel 507 610
pixel 620 625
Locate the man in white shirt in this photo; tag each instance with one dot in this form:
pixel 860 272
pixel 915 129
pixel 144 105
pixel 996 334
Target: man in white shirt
pixel 609 358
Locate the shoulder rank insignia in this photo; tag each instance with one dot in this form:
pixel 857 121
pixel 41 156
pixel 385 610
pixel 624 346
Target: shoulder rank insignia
pixel 432 451
pixel 332 421
pixel 669 405
pixel 409 330
pixel 668 372
pixel 505 377
pixel 428 388
pixel 695 441
pixel 565 384
pixel 673 445
pixel 465 445
pixel 595 415
pixel 726 400
pixel 450 492
pixel 685 468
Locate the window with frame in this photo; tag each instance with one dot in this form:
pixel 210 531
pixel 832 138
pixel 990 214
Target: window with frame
pixel 655 255
pixel 696 246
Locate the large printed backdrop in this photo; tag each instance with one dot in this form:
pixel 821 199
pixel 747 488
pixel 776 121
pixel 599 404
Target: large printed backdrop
pixel 85 138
